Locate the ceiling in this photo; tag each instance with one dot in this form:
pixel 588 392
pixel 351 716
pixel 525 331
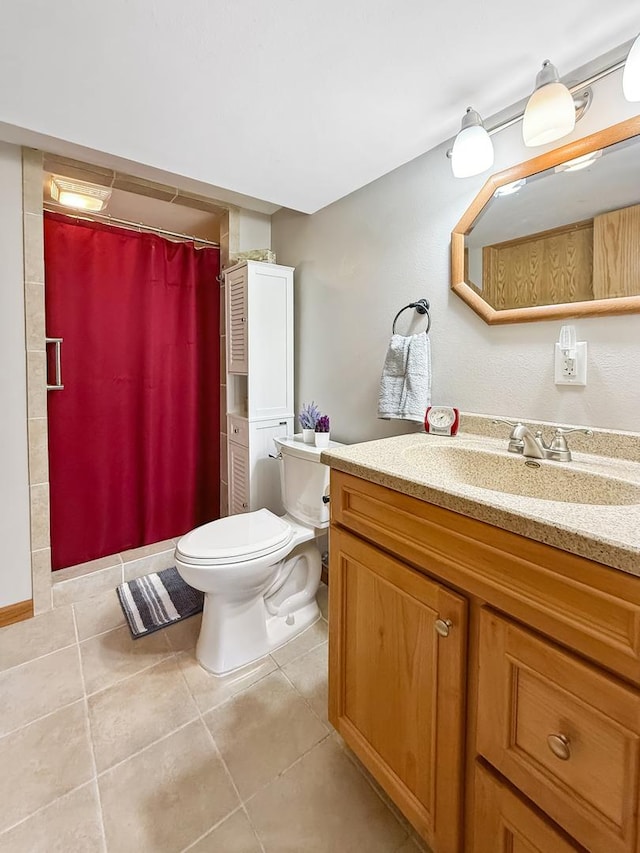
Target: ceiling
pixel 290 103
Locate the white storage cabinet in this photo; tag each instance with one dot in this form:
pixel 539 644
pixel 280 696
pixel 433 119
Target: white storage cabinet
pixel 259 333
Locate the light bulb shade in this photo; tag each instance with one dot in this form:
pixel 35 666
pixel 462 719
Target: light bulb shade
pixel 631 75
pixel 472 151
pixel 550 113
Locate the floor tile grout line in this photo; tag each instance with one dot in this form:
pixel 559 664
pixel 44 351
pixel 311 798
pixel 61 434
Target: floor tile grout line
pixel 101 633
pixel 215 826
pixel 146 747
pixel 38 657
pixel 43 716
pixel 90 735
pixel 47 806
pixel 322 740
pixel 226 769
pixel 170 655
pixel 325 723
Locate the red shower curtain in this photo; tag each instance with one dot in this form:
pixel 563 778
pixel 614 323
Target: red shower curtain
pixel 133 437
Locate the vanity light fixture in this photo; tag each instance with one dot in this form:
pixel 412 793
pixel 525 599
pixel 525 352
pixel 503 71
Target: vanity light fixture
pixel 472 151
pixel 552 110
pixel 510 189
pixel 579 163
pixel 78 194
pixel 550 113
pixel 631 75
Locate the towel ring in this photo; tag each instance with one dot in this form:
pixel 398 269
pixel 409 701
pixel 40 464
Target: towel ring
pixel 421 306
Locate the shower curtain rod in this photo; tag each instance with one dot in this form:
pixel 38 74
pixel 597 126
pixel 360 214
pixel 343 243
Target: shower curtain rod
pixel 139 226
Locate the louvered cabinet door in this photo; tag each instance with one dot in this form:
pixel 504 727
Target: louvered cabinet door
pixel 237 307
pixel 238 478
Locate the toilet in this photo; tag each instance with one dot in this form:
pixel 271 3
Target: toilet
pixel 259 571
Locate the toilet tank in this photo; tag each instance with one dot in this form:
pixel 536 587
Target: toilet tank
pixel 304 480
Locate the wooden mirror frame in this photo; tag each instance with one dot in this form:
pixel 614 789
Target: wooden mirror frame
pixel 596 307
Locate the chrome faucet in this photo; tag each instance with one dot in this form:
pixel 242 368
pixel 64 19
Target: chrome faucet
pixel 522 440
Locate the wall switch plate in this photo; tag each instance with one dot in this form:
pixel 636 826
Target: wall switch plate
pixel 571 371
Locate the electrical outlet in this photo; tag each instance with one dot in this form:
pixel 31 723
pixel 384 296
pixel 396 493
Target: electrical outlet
pixel 568 370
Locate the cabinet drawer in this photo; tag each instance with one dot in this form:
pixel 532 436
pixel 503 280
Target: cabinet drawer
pixel 584 605
pixel 239 430
pixel 565 733
pixel 504 823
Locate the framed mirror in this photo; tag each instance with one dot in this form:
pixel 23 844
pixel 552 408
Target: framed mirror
pixel 556 236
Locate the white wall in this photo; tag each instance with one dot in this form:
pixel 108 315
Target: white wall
pixel 15 566
pixel 254 230
pixel 361 259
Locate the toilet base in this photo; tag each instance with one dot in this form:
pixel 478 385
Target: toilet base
pixel 278 634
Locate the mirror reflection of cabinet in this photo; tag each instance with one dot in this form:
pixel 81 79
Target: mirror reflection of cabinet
pixel 556 236
pixel 597 258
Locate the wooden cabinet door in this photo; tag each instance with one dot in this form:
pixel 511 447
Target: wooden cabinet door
pixel 396 685
pixel 504 823
pixel 237 321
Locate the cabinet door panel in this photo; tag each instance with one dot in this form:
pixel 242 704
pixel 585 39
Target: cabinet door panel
pixel 396 687
pixel 238 478
pixel 503 823
pixel 563 732
pixel 237 341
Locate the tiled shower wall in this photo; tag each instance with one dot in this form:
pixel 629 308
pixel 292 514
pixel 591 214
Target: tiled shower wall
pixel 36 378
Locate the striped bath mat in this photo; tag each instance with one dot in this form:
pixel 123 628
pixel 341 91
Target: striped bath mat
pixel 157 600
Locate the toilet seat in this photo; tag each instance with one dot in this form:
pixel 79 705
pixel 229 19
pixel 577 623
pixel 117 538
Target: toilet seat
pixel 235 539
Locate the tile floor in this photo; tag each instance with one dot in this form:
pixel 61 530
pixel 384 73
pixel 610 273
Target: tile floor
pixel 110 744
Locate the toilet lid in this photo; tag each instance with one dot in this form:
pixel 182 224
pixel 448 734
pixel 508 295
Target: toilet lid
pixel 239 537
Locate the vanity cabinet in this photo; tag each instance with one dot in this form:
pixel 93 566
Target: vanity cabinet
pixel 445 631
pixel 259 380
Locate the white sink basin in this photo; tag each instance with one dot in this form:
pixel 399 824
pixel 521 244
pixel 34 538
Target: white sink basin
pixel 511 475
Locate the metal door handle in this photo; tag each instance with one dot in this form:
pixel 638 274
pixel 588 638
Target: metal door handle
pixel 58 386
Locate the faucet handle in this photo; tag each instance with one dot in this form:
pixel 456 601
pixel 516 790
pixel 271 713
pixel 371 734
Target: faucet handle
pixel 559 442
pixel 516 445
pixel 505 421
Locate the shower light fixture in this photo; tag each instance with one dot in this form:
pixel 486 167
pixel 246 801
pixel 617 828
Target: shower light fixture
pixel 472 151
pixel 631 75
pixel 79 194
pixel 550 113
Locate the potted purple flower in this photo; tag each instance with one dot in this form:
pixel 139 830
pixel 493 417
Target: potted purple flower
pixel 322 431
pixel 308 418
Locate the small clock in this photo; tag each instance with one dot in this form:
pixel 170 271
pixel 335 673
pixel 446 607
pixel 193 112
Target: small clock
pixel 442 420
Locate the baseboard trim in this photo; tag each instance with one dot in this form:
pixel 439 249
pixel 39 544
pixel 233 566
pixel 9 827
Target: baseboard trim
pixel 16 612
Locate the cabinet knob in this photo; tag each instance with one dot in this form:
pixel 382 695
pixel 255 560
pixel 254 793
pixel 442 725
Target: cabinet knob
pixel 245 505
pixel 443 626
pixel 560 746
pixel 236 430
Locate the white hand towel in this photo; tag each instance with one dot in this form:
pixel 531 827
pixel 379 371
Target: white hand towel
pixel 405 385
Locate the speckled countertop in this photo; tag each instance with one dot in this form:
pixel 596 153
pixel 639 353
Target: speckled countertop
pixel 603 524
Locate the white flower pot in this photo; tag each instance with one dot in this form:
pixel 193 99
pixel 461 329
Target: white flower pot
pixel 322 439
pixel 308 436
